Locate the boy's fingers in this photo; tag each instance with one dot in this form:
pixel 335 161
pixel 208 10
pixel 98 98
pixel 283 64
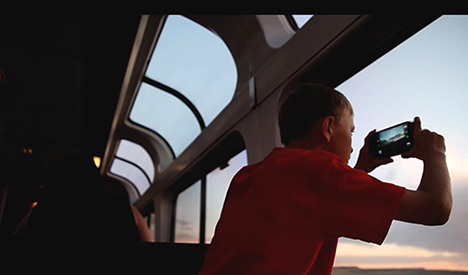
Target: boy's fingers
pixel 385 161
pixel 366 139
pixel 406 155
pixel 417 124
pixel 417 131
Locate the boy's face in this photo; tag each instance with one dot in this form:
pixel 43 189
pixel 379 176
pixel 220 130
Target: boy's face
pixel 340 142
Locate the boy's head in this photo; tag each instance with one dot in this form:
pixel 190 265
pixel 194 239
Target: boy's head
pixel 312 103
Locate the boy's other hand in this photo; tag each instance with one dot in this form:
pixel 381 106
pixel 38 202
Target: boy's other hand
pixel 365 161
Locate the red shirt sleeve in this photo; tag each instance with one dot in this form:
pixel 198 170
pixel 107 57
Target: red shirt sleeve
pixel 360 206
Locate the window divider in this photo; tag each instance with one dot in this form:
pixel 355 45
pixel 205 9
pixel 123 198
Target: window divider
pixel 180 96
pixel 203 210
pixel 136 166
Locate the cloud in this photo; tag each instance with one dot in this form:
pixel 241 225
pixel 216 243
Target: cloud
pixel 392 263
pixel 390 175
pixel 186 231
pixel 457 163
pixel 390 250
pixel 184 224
pixel 365 255
pixel 185 238
pixel 416 246
pixel 452 236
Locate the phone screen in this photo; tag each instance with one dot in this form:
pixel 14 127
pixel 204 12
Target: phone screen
pixel 392 141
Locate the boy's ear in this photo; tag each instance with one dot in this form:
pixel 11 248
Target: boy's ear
pixel 327 127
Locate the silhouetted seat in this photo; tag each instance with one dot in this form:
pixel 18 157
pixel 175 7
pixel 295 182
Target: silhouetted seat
pixel 21 254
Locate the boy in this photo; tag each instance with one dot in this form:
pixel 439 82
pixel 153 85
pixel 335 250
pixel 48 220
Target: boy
pixel 284 214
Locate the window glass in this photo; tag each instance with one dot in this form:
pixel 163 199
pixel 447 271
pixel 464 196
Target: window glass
pixel 217 184
pixel 131 173
pixel 301 19
pixel 166 115
pixel 137 154
pixel 425 76
pixel 187 225
pixel 195 62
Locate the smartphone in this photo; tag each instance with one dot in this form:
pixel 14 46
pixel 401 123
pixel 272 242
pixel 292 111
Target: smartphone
pixel 392 141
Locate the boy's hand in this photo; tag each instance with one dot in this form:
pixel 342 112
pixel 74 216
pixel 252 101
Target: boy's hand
pixel 365 161
pixel 427 144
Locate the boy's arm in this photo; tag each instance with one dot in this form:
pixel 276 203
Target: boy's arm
pixel 431 203
pixel 145 233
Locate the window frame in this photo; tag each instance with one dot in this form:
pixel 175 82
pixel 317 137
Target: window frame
pixel 179 95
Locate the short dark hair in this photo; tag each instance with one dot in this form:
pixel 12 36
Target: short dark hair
pixel 305 105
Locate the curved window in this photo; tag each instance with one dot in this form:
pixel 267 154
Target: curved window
pixel 135 153
pixel 190 79
pixel 195 62
pixel 130 172
pixel 425 76
pixel 133 163
pixel 167 116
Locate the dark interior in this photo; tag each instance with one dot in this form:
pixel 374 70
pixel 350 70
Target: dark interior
pixel 60 80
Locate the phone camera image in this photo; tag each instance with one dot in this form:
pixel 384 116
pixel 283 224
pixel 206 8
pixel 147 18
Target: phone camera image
pixel 392 141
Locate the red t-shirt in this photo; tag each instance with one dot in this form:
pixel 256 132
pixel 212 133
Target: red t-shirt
pixel 284 214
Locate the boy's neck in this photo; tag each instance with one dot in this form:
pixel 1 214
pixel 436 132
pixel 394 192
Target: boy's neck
pixel 303 144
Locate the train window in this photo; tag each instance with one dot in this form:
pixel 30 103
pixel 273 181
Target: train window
pixel 194 77
pixel 197 208
pixel 133 163
pixel 424 76
pixel 217 183
pixel 187 226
